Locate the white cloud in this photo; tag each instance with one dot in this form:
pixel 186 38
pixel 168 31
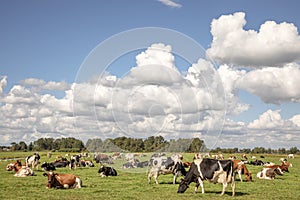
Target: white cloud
pixel 170 3
pixel 274 85
pixel 3 83
pixel 273 45
pixel 269 120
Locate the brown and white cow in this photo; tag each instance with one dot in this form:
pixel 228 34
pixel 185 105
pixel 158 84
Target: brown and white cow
pixel 62 181
pixel 268 173
pixel 21 171
pixel 240 168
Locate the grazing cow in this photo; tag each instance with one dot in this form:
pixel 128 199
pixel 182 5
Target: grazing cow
pixel 290 155
pixel 47 166
pixel 216 171
pixel 244 156
pixel 166 165
pixel 61 181
pixel 268 173
pixel 33 160
pixel 107 171
pixel 240 168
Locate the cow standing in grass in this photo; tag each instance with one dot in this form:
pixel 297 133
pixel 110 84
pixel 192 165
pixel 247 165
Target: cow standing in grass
pixel 215 171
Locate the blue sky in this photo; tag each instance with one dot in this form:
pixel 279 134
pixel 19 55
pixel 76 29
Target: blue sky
pixel 49 41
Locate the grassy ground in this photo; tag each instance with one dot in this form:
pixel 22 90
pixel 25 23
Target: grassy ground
pixel 132 184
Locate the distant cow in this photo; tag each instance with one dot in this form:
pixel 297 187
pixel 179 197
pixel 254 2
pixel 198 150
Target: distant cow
pixel 166 165
pixel 290 155
pixel 61 163
pixel 216 171
pixel 107 171
pixel 257 162
pixel 33 160
pixel 62 181
pixel 74 161
pixel 103 158
pixel 47 166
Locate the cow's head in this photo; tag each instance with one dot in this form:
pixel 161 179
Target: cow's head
pixel 51 179
pixel 278 171
pixel 10 167
pixel 248 177
pixel 183 186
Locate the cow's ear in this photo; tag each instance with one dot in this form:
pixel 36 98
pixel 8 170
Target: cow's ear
pixel 45 174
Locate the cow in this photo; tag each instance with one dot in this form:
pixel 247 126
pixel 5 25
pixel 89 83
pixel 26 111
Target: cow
pixel 61 163
pixel 62 181
pixel 240 168
pixel 244 156
pixel 166 165
pixel 290 155
pixel 47 166
pixel 103 158
pixel 87 163
pixel 22 171
pixel 256 162
pixel 10 167
pixel 107 171
pixel 142 164
pixel 74 161
pixel 268 173
pixel 33 160
pixel 284 167
pixel 216 171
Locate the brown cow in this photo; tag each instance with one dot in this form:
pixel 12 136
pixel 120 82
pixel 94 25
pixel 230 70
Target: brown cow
pixel 21 171
pixel 240 168
pixel 62 181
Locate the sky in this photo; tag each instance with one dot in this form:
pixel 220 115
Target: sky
pixel 224 71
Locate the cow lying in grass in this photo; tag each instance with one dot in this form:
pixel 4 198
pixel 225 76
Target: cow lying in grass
pixel 62 181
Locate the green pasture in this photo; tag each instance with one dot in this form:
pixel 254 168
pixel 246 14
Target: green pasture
pixel 132 183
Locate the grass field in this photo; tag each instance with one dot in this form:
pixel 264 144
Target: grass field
pixel 132 184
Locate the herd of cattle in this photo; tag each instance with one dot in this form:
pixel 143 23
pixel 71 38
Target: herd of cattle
pixel 213 168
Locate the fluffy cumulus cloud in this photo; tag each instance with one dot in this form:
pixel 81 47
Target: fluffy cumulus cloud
pixel 153 98
pixel 272 45
pixel 274 85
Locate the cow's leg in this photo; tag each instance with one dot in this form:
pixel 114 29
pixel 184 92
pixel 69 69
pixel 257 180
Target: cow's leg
pixel 196 187
pixel 174 178
pixel 233 187
pixel 240 175
pixel 201 184
pixel 155 177
pixel 149 177
pixel 224 188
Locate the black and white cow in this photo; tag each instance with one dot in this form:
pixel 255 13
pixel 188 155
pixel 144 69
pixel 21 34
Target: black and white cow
pixel 216 171
pixel 47 166
pixel 166 165
pixel 107 171
pixel 33 161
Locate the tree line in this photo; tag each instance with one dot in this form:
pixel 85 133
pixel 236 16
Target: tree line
pixel 123 144
pixel 61 144
pixel 150 144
